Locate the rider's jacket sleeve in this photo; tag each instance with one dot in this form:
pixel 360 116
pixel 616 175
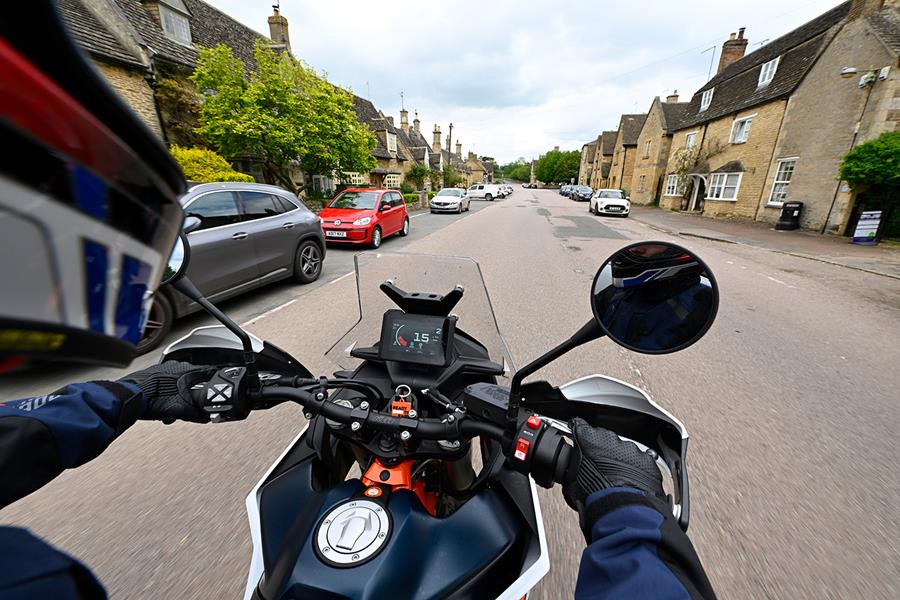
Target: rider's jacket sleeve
pixel 637 550
pixel 41 437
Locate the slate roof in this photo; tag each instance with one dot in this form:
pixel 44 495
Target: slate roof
pixel 604 169
pixel 91 34
pixel 673 115
pixel 736 86
pixel 434 161
pixel 886 25
pixel 630 126
pixel 590 149
pixel 367 114
pixel 608 142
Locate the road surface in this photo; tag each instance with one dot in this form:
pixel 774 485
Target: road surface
pixel 791 401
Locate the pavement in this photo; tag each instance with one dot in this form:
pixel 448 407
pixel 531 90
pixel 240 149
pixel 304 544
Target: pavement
pixel 791 401
pixel 883 259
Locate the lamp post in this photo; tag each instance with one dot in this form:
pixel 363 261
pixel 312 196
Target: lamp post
pixel 449 152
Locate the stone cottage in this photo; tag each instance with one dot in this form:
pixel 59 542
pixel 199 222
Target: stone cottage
pixel 653 145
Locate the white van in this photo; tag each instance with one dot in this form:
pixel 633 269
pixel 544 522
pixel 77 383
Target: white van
pixel 485 191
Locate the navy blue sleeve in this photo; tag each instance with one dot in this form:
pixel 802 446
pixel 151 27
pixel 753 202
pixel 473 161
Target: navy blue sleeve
pixel 637 550
pixel 41 437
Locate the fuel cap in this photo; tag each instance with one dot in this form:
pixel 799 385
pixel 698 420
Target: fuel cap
pixel 352 533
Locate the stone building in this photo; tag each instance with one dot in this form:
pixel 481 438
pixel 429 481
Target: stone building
pixel 625 149
pixel 586 168
pixel 603 157
pixel 653 143
pixel 722 152
pixel 828 114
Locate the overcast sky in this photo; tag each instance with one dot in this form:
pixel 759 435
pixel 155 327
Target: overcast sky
pixel 517 78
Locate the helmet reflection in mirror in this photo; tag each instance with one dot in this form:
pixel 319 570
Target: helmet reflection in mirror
pixel 654 297
pixel 178 261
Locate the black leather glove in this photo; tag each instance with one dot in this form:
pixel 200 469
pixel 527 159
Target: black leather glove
pixel 602 460
pixel 167 390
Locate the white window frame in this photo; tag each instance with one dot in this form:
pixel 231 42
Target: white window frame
pixel 767 72
pixel 715 185
pixel 690 139
pixel 642 183
pixel 391 142
pixel 706 99
pixel 736 129
pixel 175 18
pixel 786 182
pixel 392 181
pixel 354 178
pixel 672 185
pixel 647 146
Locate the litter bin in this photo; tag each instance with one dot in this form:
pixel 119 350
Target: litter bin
pixel 790 216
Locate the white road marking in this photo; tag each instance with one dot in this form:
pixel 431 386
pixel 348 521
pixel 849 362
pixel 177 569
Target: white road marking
pixel 775 280
pixel 268 312
pixel 419 215
pixel 344 276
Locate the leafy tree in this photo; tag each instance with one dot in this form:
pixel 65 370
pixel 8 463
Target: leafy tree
pixel 520 170
pixel 417 175
pixel 451 177
pixel 202 165
pixel 557 166
pixel 874 163
pixel 179 106
pixel 284 115
pixel 436 178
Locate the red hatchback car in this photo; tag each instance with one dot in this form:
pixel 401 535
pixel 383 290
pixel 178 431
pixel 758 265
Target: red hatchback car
pixel 364 216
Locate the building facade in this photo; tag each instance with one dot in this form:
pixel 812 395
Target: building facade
pixel 653 145
pixel 624 152
pixel 603 157
pixel 586 168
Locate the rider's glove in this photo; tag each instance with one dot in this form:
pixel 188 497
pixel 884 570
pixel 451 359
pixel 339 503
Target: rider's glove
pixel 602 460
pixel 167 391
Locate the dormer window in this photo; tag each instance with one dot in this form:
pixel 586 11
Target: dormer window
pixel 706 99
pixel 392 142
pixel 175 19
pixel 767 73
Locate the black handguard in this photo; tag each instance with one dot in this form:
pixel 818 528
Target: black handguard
pixel 166 389
pixel 602 460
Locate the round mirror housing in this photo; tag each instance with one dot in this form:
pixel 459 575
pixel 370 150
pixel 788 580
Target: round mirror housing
pixel 654 297
pixel 178 260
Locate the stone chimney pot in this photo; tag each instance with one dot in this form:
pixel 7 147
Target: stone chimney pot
pixel 732 50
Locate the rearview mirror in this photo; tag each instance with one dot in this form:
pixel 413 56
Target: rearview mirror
pixel 178 260
pixel 654 297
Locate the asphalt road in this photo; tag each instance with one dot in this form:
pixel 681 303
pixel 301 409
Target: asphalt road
pixel 791 401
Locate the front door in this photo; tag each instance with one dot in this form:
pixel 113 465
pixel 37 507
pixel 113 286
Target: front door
pixel 699 197
pixel 222 253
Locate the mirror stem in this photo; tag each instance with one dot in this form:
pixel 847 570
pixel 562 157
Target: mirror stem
pixel 187 287
pixel 589 332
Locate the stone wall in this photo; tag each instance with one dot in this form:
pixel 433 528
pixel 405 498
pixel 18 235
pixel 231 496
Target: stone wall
pixel 622 167
pixel 135 91
pixel 652 166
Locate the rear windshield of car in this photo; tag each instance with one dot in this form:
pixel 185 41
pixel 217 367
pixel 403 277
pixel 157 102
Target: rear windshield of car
pixel 446 192
pixel 611 194
pixel 357 200
pixel 585 189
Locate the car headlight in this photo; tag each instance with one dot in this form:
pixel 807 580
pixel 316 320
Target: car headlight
pixel 363 221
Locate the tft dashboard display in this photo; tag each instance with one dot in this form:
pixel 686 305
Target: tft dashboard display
pixel 415 339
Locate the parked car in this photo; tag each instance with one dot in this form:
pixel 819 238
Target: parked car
pixel 581 193
pixel 564 190
pixel 245 235
pixel 364 217
pixel 509 189
pixel 450 200
pixel 609 202
pixel 485 191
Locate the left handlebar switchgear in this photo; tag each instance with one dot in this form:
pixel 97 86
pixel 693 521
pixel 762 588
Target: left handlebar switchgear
pixel 227 395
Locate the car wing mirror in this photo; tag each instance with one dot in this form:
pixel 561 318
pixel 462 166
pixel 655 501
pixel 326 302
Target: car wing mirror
pixel 191 223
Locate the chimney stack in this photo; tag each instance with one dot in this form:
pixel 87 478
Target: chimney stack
pixel 416 122
pixel 404 120
pixel 732 50
pixel 436 140
pixel 278 31
pixel 459 149
pixel 672 98
pixel 556 148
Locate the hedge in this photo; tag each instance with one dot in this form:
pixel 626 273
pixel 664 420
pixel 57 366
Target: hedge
pixel 431 195
pixel 411 198
pixel 203 166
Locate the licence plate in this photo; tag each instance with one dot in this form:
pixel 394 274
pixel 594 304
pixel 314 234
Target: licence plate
pixel 337 234
pixel 614 208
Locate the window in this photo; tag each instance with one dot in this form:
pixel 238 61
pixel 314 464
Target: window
pixel 175 25
pixel 690 139
pixel 740 130
pixel 354 178
pixel 391 142
pixel 392 180
pixel 672 185
pixel 641 182
pixel 767 73
pixel 214 210
pixel 724 186
pixel 647 149
pixel 258 205
pixel 783 175
pixel 706 99
pixel 396 199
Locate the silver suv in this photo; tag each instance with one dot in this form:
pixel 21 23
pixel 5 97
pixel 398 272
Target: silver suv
pixel 249 235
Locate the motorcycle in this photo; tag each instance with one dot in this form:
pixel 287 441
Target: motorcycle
pixel 448 438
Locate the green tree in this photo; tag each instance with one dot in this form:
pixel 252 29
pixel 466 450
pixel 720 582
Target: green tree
pixel 875 163
pixel 202 165
pixel 417 176
pixel 451 177
pixel 285 114
pixel 558 167
pixel 436 177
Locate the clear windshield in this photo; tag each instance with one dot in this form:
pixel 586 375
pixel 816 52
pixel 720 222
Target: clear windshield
pixel 357 200
pixel 420 273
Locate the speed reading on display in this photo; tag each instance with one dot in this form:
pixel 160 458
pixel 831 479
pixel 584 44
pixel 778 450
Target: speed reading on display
pixel 413 338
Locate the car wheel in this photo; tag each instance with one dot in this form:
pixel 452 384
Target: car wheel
pixel 405 231
pixel 488 197
pixel 376 237
pixel 159 322
pixel 307 262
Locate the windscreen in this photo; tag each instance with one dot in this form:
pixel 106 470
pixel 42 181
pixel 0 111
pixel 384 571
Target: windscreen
pixel 357 200
pixel 422 274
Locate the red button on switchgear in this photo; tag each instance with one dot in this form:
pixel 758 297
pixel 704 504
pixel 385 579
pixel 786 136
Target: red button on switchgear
pixel 522 449
pixel 533 422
